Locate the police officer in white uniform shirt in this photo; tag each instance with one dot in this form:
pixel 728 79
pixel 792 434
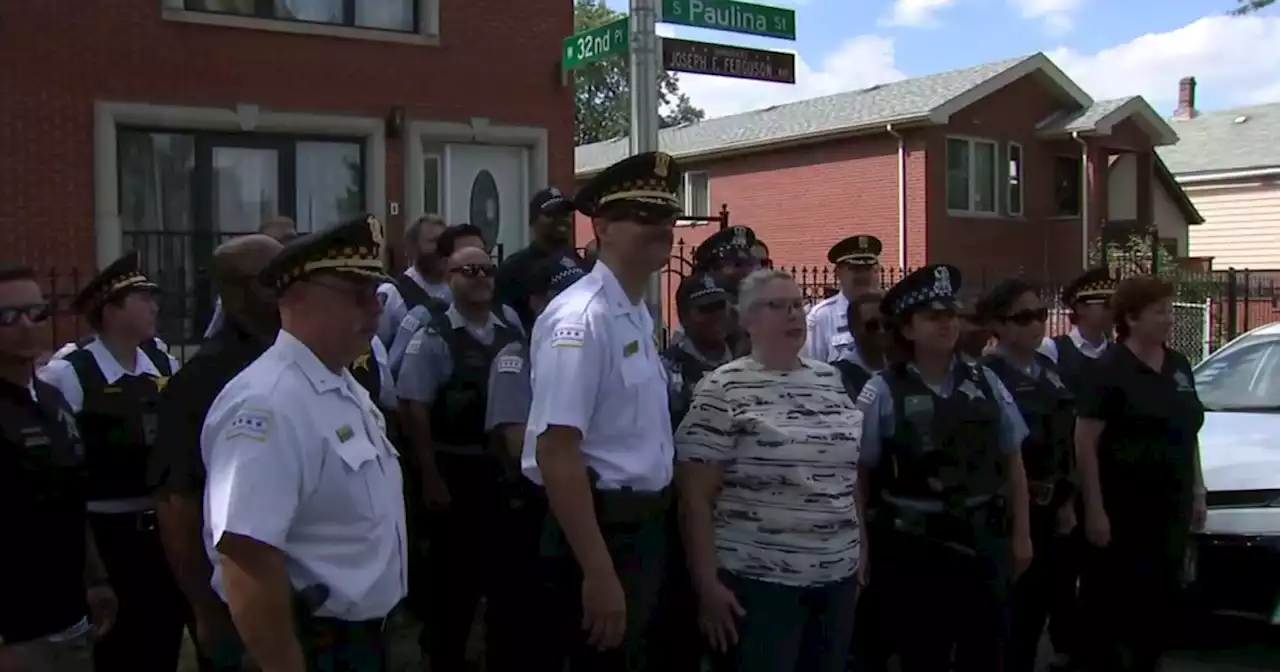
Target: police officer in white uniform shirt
pixel 304 507
pixel 599 435
pixel 857 262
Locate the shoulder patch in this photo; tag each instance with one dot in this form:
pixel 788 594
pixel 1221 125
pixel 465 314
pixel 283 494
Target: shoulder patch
pixel 510 364
pixel 250 423
pixel 410 323
pixel 569 336
pixel 869 394
pixel 415 343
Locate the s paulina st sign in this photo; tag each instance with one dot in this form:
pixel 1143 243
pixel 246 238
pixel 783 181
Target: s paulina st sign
pixel 732 16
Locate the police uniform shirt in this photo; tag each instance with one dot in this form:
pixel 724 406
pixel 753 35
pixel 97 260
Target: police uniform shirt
pixel 298 459
pixel 510 388
pixel 387 396
pixel 62 375
pixel 878 423
pixel 68 348
pixel 828 326
pixel 414 321
pixel 1049 347
pixel 394 307
pixel 596 369
pixel 176 466
pixel 428 363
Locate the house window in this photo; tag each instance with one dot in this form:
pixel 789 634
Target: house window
pixel 1013 203
pixel 971 175
pixel 1170 246
pixel 395 15
pixel 1066 185
pixel 183 194
pixel 431 185
pixel 695 194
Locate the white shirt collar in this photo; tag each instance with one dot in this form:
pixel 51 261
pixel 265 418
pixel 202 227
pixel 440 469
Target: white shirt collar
pixel 613 292
pixel 111 368
pixel 1085 347
pixel 287 346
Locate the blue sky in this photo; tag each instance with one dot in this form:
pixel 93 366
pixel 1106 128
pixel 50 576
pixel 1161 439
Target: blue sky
pixel 1111 47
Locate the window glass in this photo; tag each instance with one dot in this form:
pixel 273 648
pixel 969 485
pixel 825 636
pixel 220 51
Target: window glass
pixel 1015 180
pixel 957 174
pixel 318 11
pixel 699 195
pixel 984 177
pixel 1243 377
pixel 386 14
pixel 1066 179
pixel 431 186
pixel 245 188
pixel 329 182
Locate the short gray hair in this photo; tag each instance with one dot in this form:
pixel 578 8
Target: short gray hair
pixel 753 285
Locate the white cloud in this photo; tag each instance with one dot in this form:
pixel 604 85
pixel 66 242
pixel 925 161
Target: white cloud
pixel 1058 16
pixel 856 63
pixel 915 13
pixel 1234 59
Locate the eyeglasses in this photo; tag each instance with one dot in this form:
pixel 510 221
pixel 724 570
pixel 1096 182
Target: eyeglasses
pixel 34 312
pixel 786 306
pixel 475 270
pixel 1024 317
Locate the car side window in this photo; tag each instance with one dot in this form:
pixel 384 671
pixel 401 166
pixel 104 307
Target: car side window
pixel 1242 377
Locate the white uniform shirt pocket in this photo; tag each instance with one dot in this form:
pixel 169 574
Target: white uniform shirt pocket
pixel 359 471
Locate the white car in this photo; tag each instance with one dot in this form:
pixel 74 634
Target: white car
pixel 1235 568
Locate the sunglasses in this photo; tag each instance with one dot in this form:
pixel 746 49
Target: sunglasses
pixel 35 313
pixel 475 270
pixel 1024 317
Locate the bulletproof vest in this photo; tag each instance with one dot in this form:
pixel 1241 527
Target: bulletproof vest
pixel 367 372
pixel 1048 407
pixel 50 453
pixel 686 371
pixel 457 416
pixel 1071 363
pixel 414 295
pixel 853 376
pixel 118 424
pixel 944 448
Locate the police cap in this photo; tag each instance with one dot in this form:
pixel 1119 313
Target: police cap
pixel 1095 285
pixel 353 249
pixel 555 274
pixel 734 242
pixel 120 277
pixel 933 287
pixel 859 250
pixel 645 184
pixel 700 289
pixel 549 202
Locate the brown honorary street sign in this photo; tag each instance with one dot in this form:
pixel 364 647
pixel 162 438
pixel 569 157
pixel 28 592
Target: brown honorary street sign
pixel 702 58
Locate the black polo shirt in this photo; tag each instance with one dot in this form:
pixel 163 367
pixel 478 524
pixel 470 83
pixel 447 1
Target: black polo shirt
pixel 42 514
pixel 176 465
pixel 1147 450
pixel 510 285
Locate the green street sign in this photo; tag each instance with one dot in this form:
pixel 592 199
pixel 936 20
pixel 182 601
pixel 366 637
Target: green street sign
pixel 597 44
pixel 732 16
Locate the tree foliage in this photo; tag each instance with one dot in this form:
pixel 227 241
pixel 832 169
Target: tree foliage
pixel 1248 6
pixel 602 91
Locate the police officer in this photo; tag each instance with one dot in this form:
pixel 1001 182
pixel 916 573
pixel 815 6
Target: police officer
pixel 155 346
pixel 867 352
pixel 304 501
pixel 857 262
pixel 1089 298
pixel 422 284
pixel 113 386
pixel 975 329
pixel 727 255
pixel 1014 310
pixel 551 229
pixel 599 435
pixel 948 435
pixel 280 229
pixel 50 565
pixel 443 381
pixel 249 325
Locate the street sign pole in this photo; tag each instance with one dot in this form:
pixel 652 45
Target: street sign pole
pixel 646 57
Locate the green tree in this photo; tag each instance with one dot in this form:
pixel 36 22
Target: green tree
pixel 1248 6
pixel 602 103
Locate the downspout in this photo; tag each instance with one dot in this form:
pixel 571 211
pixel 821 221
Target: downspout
pixel 1084 200
pixel 902 195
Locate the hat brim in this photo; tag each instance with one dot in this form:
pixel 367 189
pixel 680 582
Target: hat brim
pixel 707 299
pixel 556 207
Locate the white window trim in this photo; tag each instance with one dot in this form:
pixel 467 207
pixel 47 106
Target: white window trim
pixel 995 177
pixel 1022 181
pixel 428 33
pixel 439 159
pixel 688 193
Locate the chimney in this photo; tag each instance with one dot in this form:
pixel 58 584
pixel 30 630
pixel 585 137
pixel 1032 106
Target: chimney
pixel 1186 99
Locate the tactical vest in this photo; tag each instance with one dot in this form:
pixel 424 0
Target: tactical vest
pixel 686 371
pixel 853 376
pixel 414 295
pixel 1071 363
pixel 457 416
pixel 1048 407
pixel 944 448
pixel 118 424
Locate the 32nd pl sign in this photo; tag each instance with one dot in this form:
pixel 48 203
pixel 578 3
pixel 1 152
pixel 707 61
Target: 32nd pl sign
pixel 732 16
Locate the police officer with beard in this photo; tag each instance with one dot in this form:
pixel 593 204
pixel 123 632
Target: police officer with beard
pixel 1014 310
pixel 113 387
pixel 422 284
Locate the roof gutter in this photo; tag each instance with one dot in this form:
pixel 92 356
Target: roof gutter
pixel 1227 175
pixel 902 194
pixel 1084 199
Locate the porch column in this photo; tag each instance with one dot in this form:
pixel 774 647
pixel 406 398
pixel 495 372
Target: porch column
pixel 1144 207
pixel 1095 196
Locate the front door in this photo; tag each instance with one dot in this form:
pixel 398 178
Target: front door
pixel 487 187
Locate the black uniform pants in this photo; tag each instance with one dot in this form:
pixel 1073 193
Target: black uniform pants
pixel 332 645
pixel 675 643
pixel 514 619
pixel 638 549
pixel 872 644
pixel 464 559
pixel 1039 588
pixel 945 600
pixel 147 635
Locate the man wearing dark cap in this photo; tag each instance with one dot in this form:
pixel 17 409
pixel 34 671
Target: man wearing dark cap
pixel 727 254
pixel 304 500
pixel 599 437
pixel 1089 299
pixel 113 386
pixel 551 234
pixel 857 262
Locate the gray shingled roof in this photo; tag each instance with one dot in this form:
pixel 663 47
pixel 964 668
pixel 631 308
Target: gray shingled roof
pixel 1083 120
pixel 877 105
pixel 1213 141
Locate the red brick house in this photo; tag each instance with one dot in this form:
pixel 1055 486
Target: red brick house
pixel 161 125
pixel 998 168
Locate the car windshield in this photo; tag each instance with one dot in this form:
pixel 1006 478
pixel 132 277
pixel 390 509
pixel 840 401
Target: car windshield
pixel 1244 376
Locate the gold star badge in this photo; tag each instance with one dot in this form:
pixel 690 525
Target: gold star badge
pixel 362 362
pixel 161 382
